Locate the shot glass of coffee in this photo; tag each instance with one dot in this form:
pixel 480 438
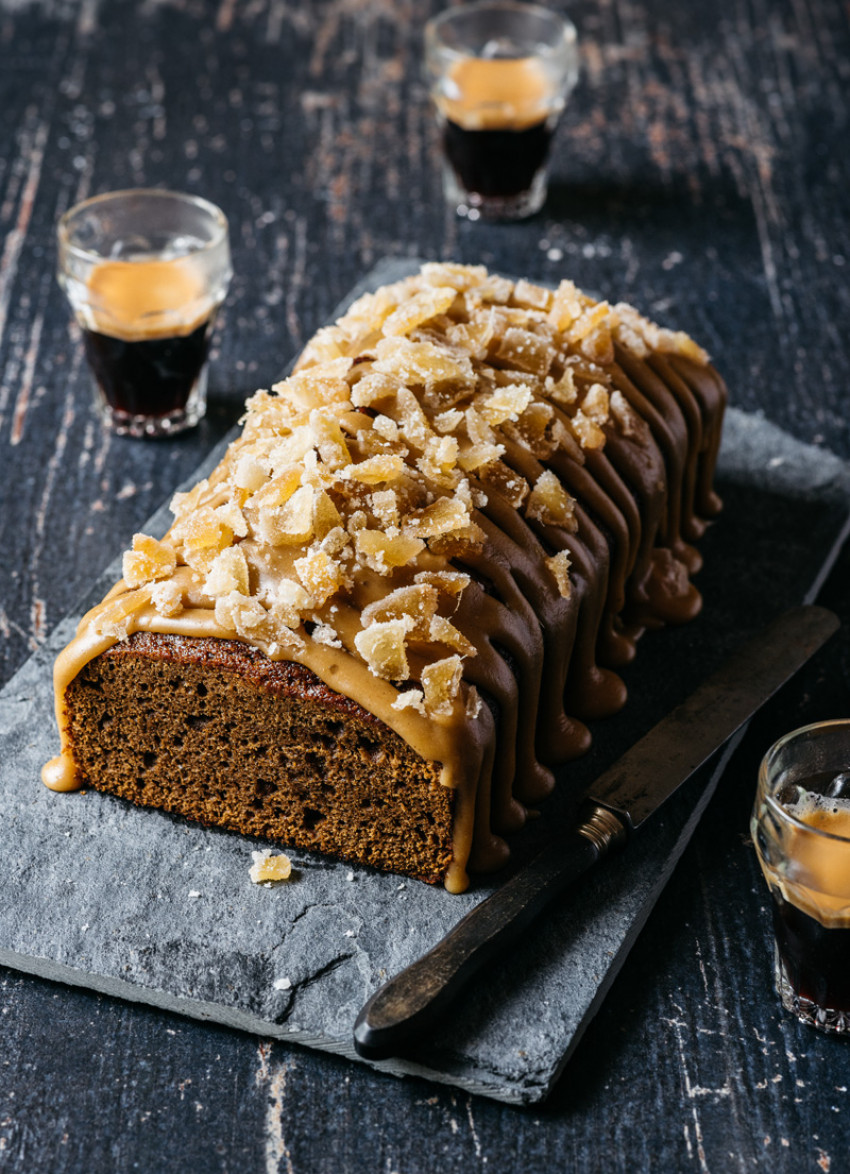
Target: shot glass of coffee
pixel 801 830
pixel 145 272
pixel 500 75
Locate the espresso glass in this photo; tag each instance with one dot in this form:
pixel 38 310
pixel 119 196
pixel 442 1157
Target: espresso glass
pixel 801 829
pixel 145 272
pixel 500 74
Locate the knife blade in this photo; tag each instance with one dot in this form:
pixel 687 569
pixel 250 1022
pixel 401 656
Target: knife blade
pixel 620 801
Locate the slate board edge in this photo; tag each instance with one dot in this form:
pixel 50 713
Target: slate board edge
pixel 230 1017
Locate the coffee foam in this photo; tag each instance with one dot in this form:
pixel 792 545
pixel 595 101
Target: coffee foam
pixel 824 813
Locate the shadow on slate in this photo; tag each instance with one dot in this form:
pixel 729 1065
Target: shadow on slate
pixel 138 904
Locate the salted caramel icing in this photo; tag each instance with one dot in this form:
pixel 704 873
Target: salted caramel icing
pixel 469 492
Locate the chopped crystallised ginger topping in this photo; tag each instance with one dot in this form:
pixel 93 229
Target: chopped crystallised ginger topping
pixel 350 512
pixel 269 867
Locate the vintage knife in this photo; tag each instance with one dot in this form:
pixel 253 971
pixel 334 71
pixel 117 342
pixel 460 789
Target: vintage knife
pixel 619 802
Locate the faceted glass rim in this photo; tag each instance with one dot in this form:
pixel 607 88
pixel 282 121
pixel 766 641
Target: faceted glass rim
pixel 562 25
pixel 215 214
pixel 767 762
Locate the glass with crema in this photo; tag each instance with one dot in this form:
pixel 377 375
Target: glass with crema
pixel 500 75
pixel 145 272
pixel 801 829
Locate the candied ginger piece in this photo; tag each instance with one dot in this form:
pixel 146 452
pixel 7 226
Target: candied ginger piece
pixel 290 450
pixel 291 601
pixel 449 582
pixel 373 387
pixel 205 531
pixel 448 421
pixel 414 423
pixel 598 346
pixel 422 363
pixel 458 543
pixel 592 317
pixel 476 335
pixel 184 503
pixel 512 486
pixel 335 541
pixel 325 634
pixel 385 427
pixel 677 342
pixel 550 503
pixel 316 386
pixel 596 403
pixel 428 303
pixel 526 351
pixel 326 344
pixel 418 604
pixel 622 414
pixel 477 428
pixel 494 289
pixel 441 517
pixel 375 470
pixel 564 390
pixel 506 403
pixel 532 428
pixel 167 598
pixel 438 463
pixel 241 614
pixel 292 524
pixel 148 560
pixel 443 631
pixel 321 575
pixel 326 517
pixel 383 553
pixel 385 506
pixel 295 524
pixel 382 647
pixel 533 296
pixel 441 684
pixel 328 440
pixel 559 565
pixel 269 867
pixel 231 515
pixel 476 455
pixel 249 473
pixel 229 572
pixel 410 699
pixel 628 333
pixel 459 277
pixel 115 617
pixel 587 431
pixel 567 305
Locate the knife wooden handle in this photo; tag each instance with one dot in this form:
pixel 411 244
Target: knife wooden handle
pixel 411 1001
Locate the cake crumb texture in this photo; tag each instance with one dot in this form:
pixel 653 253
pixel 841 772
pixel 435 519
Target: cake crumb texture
pixel 213 730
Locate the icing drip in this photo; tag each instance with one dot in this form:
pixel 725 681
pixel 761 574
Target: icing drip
pixel 461 512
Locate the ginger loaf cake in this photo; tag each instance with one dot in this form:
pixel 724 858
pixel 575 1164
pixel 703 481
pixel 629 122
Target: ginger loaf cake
pixel 391 609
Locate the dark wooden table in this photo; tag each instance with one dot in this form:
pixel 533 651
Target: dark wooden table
pixel 702 172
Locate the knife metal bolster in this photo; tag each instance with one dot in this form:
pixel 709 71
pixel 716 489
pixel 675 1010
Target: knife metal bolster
pixel 605 828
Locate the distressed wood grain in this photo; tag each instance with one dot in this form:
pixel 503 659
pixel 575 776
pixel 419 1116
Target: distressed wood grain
pixel 701 172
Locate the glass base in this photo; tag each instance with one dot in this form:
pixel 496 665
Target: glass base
pixel 823 1018
pixel 474 206
pixel 145 427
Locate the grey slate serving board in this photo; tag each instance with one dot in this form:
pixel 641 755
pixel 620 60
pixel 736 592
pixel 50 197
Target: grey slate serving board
pixel 133 903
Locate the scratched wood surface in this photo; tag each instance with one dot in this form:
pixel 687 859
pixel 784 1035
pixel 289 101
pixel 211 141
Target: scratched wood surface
pixel 702 172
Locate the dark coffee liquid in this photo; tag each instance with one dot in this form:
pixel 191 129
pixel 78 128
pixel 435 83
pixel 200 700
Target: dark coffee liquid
pixel 496 162
pixel 816 958
pixel 148 376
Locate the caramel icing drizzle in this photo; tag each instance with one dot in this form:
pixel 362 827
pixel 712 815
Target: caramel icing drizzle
pixel 460 511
